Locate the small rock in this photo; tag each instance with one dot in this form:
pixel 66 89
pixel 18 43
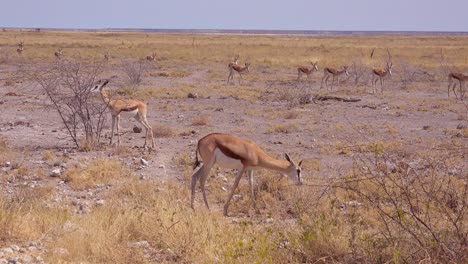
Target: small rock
pixel 61 251
pixel 460 126
pixel 7 250
pixel 7 164
pixel 223 178
pixel 55 172
pixel 32 248
pixel 143 244
pixel 15 248
pixel 162 166
pixel 193 96
pixel 269 220
pixel 100 202
pixel 143 162
pixel 137 129
pixel 26 259
pixel 426 127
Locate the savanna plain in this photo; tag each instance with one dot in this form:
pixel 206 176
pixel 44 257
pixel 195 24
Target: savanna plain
pixel 385 171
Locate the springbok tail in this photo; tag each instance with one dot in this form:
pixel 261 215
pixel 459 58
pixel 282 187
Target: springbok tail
pixel 197 161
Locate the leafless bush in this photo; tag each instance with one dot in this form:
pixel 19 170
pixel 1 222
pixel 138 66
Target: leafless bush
pixel 419 205
pixel 410 73
pixel 134 72
pixel 67 84
pixel 294 94
pixel 359 72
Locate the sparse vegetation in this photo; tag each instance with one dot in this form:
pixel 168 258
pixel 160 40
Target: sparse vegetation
pixel 385 177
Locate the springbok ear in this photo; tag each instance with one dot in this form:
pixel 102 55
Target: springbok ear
pixel 300 163
pixel 288 158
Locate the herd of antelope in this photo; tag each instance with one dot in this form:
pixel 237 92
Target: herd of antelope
pixel 229 151
pixel 378 74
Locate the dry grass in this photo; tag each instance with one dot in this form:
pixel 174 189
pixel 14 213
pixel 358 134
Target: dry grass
pixel 201 120
pixel 98 172
pixel 162 131
pixel 336 220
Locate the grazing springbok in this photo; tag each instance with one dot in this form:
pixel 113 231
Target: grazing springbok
pixel 307 70
pixel 20 48
pixel 58 53
pixel 106 55
pixel 234 62
pixel 231 152
pixel 151 57
pixel 461 78
pixel 135 108
pixel 327 72
pixel 381 74
pixel 239 69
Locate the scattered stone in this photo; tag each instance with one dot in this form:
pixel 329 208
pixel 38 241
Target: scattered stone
pixel 223 178
pixel 26 259
pixel 162 166
pixel 193 96
pixel 269 220
pixel 143 244
pixel 460 126
pixel 100 202
pixel 7 164
pixel 55 172
pixel 143 162
pixel 32 248
pixel 137 129
pixel 426 127
pixel 15 248
pixel 7 250
pixel 61 251
pixel 180 116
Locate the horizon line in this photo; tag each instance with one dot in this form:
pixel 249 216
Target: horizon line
pixel 240 31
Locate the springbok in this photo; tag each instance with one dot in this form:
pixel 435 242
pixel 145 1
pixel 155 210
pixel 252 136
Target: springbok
pixel 20 48
pixel 135 108
pixel 239 69
pixel 461 78
pixel 232 152
pixel 58 53
pixel 327 72
pixel 306 70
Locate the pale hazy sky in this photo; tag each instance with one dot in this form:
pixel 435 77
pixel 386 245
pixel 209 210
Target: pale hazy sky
pixel 395 15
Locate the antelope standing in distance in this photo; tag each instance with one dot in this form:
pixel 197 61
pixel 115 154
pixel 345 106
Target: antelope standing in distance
pixel 381 74
pixel 20 48
pixel 232 152
pixel 306 70
pixel 234 62
pixel 461 78
pixel 58 53
pixel 106 55
pixel 135 108
pixel 239 69
pixel 151 57
pixel 327 72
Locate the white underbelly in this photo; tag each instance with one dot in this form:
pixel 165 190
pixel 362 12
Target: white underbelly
pixel 227 162
pixel 128 114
